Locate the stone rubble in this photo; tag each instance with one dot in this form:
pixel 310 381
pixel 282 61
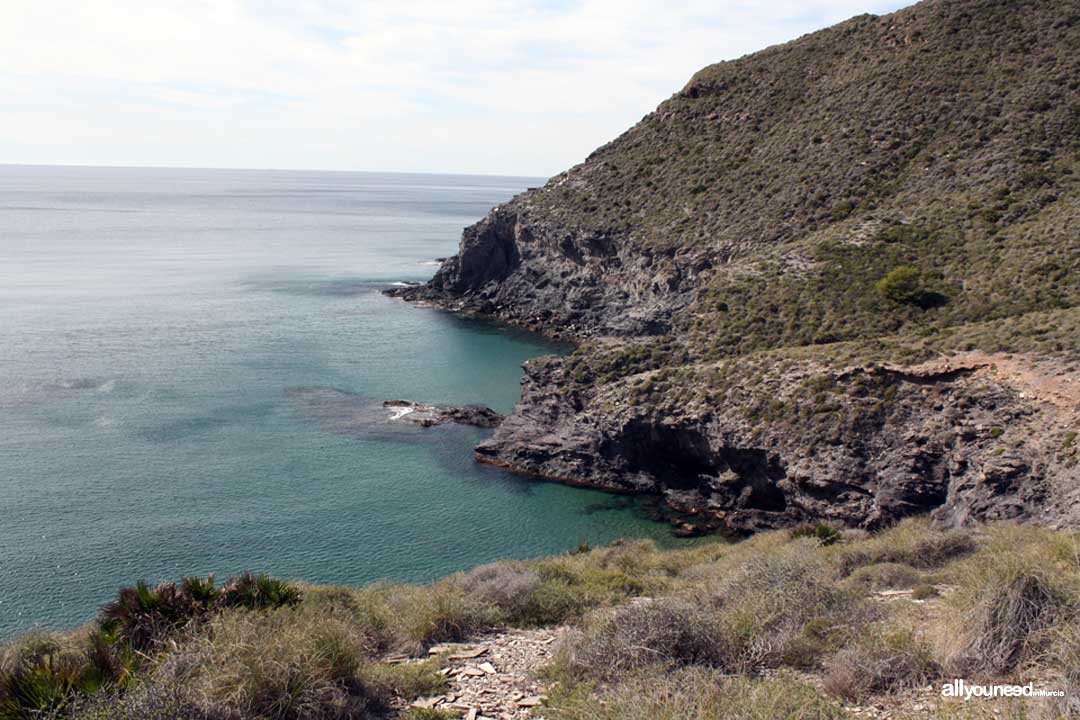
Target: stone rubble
pixel 493 677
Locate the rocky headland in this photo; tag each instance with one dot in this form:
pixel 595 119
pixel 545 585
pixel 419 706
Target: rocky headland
pixel 836 279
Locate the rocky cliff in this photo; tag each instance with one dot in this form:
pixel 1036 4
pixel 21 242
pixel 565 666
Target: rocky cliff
pixel 839 278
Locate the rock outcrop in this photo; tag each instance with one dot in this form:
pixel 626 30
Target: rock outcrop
pixel 431 415
pixel 563 283
pixel 860 446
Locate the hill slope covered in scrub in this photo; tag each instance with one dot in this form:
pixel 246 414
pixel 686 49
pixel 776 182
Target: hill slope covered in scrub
pixel 838 278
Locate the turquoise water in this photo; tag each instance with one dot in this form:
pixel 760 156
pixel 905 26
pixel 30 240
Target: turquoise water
pixel 191 366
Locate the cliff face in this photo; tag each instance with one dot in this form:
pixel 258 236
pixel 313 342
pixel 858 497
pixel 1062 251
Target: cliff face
pixel 837 278
pixel 862 446
pixel 565 283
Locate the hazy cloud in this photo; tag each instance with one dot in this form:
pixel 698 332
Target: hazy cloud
pixel 514 87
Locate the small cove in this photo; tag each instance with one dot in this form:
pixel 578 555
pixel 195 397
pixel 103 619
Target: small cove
pixel 176 347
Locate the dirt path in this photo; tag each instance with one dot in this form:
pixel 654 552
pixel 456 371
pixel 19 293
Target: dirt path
pixel 1045 382
pixel 493 676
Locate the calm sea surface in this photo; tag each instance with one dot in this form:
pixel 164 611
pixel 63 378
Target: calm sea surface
pixel 191 369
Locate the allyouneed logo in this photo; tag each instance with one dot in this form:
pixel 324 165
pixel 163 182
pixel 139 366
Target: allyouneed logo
pixel 960 689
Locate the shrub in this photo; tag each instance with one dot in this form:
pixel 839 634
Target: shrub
pixel 281 664
pixel 1008 599
pixel 148 701
pixel 41 673
pixel 404 680
pixel 573 584
pixel 913 542
pixel 885 576
pixel 668 631
pixel 437 613
pixel 765 605
pixel 256 592
pixel 511 588
pixel 142 615
pixel 369 609
pixel 882 660
pixel 1064 659
pixel 924 591
pixel 37 677
pixel 1005 620
pixel 824 533
pixel 902 285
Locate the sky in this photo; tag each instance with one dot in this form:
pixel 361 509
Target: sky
pixel 511 87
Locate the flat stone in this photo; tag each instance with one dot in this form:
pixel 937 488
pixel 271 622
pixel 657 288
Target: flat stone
pixel 468 654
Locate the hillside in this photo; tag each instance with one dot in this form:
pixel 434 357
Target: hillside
pixel 819 290
pixel 838 278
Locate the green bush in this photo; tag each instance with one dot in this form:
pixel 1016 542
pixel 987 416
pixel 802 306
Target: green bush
pixel 822 532
pixel 903 285
pixel 255 592
pixel 142 616
pixel 40 674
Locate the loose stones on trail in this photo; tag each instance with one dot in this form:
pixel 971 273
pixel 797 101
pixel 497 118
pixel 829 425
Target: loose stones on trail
pixel 493 676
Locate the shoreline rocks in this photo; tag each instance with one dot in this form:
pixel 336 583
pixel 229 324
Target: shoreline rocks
pixel 431 415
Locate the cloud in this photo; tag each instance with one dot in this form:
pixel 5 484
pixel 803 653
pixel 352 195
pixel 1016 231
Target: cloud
pixel 515 87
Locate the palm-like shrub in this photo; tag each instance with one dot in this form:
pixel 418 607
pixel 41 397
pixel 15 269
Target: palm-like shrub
pixel 258 591
pixel 141 615
pixel 40 675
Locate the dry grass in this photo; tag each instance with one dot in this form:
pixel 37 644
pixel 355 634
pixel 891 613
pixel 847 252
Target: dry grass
pixel 885 659
pixel 280 665
pixel 913 542
pixel 697 694
pixel 783 607
pixel 1012 600
pixel 885 576
pixel 693 626
pixel 668 632
pixel 763 611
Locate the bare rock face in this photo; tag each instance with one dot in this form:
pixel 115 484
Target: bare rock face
pixel 959 444
pixel 564 283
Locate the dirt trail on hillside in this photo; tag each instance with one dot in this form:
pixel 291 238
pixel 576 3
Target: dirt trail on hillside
pixel 1046 382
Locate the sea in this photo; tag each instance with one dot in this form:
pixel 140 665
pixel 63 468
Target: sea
pixel 192 370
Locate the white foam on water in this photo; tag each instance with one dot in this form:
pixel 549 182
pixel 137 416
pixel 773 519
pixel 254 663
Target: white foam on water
pixel 397 413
